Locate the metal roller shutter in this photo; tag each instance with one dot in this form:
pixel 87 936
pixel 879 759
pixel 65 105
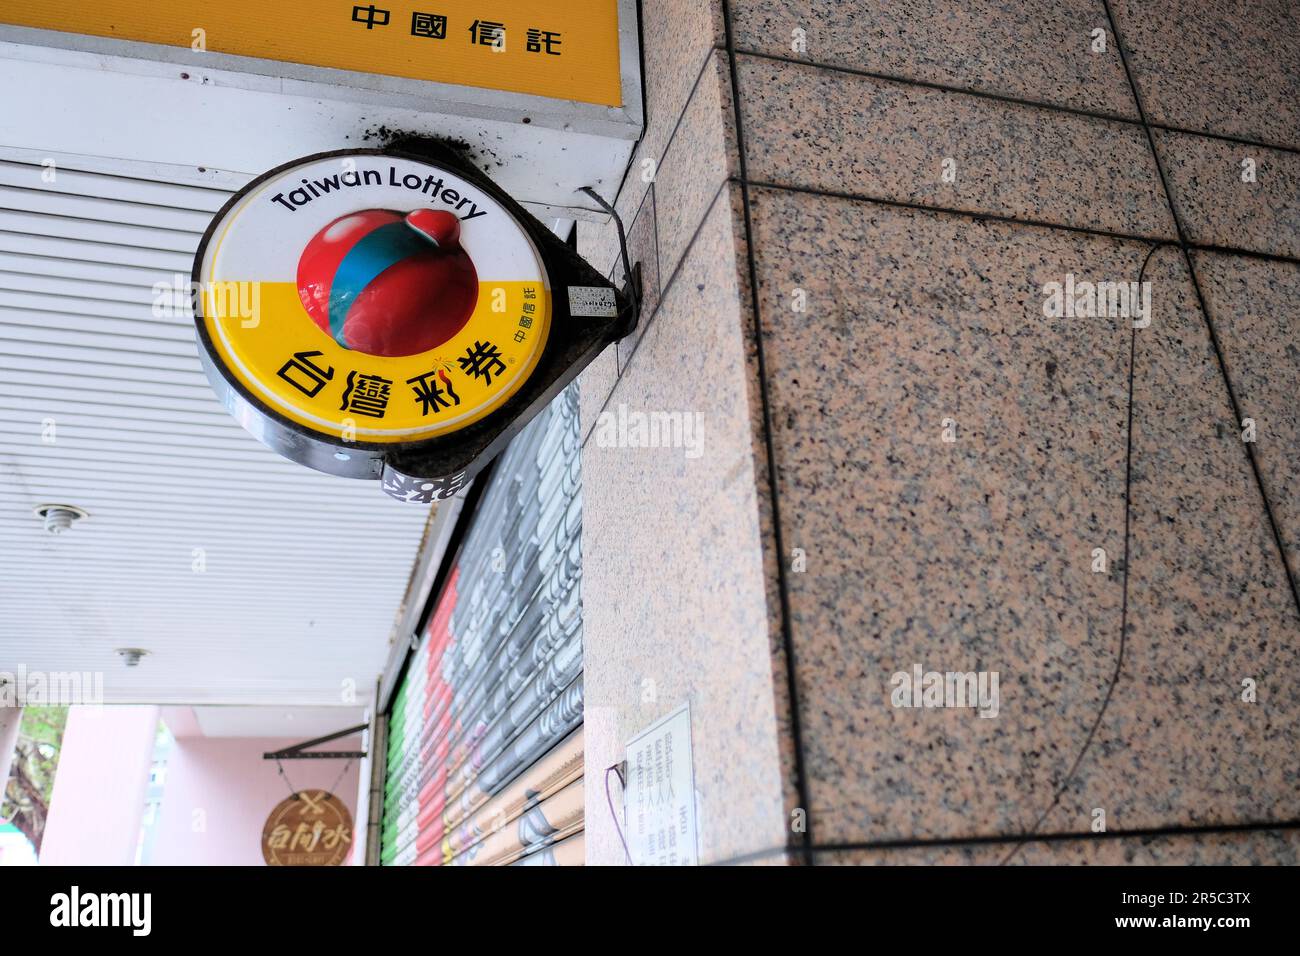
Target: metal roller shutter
pixel 485 739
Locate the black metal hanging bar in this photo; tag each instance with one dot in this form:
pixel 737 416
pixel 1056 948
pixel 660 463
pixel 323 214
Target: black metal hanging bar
pixel 300 752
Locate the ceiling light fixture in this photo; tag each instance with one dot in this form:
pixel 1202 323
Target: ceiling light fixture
pixel 131 656
pixel 59 518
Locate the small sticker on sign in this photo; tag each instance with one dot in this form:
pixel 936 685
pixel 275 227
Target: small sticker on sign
pixel 595 302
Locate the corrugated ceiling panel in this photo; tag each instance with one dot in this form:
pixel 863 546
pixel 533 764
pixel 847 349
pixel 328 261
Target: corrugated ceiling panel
pixel 249 579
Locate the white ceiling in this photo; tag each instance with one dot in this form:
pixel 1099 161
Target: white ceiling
pixel 303 573
pixel 299 723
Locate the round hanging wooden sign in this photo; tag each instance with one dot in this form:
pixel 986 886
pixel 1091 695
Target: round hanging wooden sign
pixel 310 828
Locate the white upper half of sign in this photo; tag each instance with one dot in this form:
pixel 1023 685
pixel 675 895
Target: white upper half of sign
pixel 262 237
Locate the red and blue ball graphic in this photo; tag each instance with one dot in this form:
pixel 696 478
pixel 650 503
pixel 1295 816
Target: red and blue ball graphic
pixel 384 283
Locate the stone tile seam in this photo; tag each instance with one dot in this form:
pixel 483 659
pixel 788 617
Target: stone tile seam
pixel 801 783
pixel 742 180
pixel 659 256
pixel 1016 100
pixel 1182 243
pixel 1058 836
pixel 947 88
pixel 1014 220
pixel 994 839
pixel 716 48
pixel 668 143
pixel 1186 247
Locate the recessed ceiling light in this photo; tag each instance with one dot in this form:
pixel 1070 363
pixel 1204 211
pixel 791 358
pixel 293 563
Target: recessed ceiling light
pixel 131 656
pixel 59 518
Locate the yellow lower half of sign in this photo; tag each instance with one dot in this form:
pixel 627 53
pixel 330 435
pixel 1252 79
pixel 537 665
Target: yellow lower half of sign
pixel 265 339
pixel 562 50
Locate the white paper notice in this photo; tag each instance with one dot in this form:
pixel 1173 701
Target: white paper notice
pixel 659 802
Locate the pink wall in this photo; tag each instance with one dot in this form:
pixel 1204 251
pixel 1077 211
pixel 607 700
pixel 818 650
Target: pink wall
pixel 219 792
pixel 99 786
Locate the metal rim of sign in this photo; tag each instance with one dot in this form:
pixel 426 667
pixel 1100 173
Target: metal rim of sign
pixel 283 425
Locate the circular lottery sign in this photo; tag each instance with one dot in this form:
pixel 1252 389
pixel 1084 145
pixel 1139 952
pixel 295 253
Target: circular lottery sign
pixel 394 316
pixel 365 299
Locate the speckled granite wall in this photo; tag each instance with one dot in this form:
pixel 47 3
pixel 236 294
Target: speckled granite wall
pixel 849 215
pixel 674 582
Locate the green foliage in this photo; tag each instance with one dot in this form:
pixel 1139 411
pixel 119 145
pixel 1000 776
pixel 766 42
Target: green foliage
pixel 31 780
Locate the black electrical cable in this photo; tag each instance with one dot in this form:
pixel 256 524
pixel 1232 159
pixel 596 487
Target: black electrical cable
pixel 633 291
pixel 1185 247
pixel 614 816
pixel 1123 612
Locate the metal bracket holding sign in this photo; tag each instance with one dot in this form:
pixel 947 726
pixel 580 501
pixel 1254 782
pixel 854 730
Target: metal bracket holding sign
pixel 394 316
pixel 300 751
pixel 659 805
